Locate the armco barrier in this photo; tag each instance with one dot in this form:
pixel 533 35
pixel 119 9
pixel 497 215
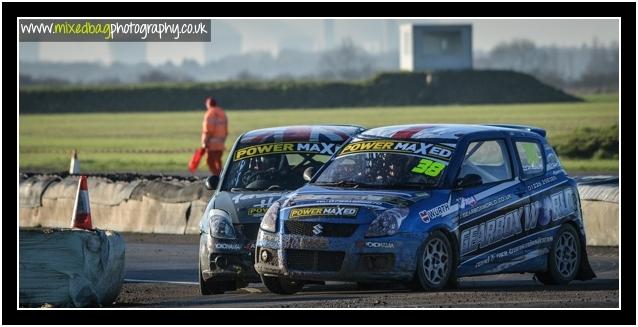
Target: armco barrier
pixel 70 267
pixel 176 207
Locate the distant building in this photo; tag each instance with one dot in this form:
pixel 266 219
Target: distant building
pixel 128 52
pixel 435 47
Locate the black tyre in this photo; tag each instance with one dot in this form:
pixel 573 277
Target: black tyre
pixel 564 258
pixel 280 285
pixel 435 263
pixel 207 287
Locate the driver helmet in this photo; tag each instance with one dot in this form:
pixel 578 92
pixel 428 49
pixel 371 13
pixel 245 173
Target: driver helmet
pixel 268 162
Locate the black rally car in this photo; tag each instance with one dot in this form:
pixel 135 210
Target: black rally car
pixel 263 165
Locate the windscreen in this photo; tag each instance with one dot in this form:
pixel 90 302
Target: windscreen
pixel 387 164
pixel 274 166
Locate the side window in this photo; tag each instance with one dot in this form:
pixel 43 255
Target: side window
pixel 488 159
pixel 531 158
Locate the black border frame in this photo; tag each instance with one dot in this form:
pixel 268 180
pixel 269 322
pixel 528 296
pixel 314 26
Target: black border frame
pixel 371 317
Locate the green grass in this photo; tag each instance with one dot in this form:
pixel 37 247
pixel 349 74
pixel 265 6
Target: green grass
pixel 599 97
pixel 607 166
pixel 46 140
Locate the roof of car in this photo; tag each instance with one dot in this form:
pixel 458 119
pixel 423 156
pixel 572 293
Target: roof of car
pixel 302 133
pixel 443 131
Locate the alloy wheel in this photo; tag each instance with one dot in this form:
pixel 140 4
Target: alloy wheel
pixel 435 261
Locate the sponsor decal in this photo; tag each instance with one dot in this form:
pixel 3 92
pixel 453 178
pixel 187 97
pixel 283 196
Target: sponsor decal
pixel 306 212
pixel 227 246
pixel 424 216
pixel 268 240
pixel 438 151
pixel 438 211
pixel 264 203
pixel 346 202
pixel 428 167
pixel 552 208
pixel 545 213
pixel 532 169
pixel 552 162
pixel 483 206
pixel 269 237
pixel 354 198
pixel 504 255
pixel 383 245
pixel 464 202
pixel 257 211
pixel 541 183
pixel 491 231
pixel 285 147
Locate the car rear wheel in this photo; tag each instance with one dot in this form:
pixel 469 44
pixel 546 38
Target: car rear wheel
pixel 435 263
pixel 280 285
pixel 564 258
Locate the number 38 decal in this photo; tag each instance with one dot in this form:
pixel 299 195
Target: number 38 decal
pixel 428 167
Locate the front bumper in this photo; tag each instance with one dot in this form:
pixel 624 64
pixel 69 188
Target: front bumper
pixel 227 260
pixel 354 258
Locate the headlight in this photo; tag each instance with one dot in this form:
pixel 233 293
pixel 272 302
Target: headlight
pixel 388 222
pixel 220 224
pixel 269 222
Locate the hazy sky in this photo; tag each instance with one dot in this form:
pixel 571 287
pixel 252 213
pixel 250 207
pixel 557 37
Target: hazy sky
pixel 269 35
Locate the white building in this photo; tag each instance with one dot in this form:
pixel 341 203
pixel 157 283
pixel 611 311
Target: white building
pixel 435 47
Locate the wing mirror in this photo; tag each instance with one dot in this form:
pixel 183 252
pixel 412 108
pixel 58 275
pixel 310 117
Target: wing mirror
pixel 469 180
pixel 211 182
pixel 308 173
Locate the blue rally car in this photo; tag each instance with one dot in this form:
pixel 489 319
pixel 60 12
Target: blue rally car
pixel 263 165
pixel 425 205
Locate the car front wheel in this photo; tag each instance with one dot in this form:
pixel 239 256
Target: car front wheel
pixel 435 262
pixel 564 258
pixel 207 287
pixel 280 285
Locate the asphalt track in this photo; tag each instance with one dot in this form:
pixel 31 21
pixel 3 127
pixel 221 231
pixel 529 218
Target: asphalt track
pixel 161 271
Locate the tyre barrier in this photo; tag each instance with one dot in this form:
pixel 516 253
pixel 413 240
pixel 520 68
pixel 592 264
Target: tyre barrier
pixel 176 206
pixel 599 200
pixel 140 206
pixel 70 267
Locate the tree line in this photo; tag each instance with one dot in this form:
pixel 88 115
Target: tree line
pixel 590 67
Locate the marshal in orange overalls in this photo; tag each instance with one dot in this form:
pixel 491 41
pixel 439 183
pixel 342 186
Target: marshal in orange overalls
pixel 214 133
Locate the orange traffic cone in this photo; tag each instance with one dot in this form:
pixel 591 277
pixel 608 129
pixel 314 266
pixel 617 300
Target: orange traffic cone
pixel 82 210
